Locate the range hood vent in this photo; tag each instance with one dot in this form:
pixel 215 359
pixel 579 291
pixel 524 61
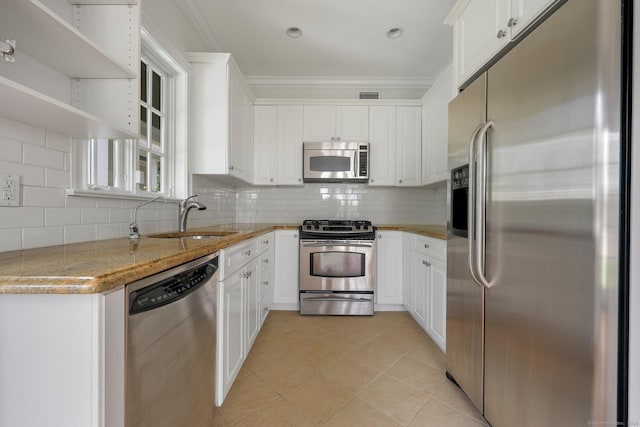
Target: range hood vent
pixel 369 95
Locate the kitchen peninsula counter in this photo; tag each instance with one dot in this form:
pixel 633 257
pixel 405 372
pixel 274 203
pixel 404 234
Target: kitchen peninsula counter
pixel 107 265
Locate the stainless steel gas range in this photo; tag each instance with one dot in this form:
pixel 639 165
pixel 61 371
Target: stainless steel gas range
pixel 337 267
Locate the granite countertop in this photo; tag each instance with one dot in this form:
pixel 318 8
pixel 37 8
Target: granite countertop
pixel 108 265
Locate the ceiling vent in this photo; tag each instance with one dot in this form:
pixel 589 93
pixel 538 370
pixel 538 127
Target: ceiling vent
pixel 369 95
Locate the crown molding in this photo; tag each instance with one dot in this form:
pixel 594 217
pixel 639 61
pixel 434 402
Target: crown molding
pixel 342 82
pixel 194 15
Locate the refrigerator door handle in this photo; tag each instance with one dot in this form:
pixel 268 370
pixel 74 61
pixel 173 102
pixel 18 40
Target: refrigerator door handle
pixel 471 205
pixel 481 197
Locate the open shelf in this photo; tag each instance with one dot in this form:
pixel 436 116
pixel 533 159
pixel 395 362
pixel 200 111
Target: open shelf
pixel 25 105
pixel 42 34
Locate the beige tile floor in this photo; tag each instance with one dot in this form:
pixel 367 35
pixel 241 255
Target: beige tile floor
pixel 345 371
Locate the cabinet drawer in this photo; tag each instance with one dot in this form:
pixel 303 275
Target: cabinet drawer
pixel 430 246
pixel 236 256
pixel 265 242
pixel 266 260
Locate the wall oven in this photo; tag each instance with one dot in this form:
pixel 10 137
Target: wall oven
pixel 337 267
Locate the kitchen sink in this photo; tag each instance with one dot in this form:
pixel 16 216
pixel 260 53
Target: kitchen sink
pixel 193 234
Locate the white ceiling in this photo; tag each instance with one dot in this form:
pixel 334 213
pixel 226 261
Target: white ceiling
pixel 343 42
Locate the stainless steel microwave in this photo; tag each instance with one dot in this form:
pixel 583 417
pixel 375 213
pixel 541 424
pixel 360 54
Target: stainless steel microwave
pixel 336 161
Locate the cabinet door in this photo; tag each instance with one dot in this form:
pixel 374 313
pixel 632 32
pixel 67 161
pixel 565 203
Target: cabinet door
pixel 421 288
pixel 290 137
pixel 286 268
pixel 382 140
pixel 319 123
pixel 408 146
pixel 389 267
pixel 352 123
pixel 524 12
pixel 435 130
pixel 231 333
pixel 265 140
pixel 236 127
pixel 437 300
pixel 254 318
pixel 247 139
pixel 407 271
pixel 479 33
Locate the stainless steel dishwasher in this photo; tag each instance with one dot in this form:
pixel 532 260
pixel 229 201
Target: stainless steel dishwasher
pixel 170 351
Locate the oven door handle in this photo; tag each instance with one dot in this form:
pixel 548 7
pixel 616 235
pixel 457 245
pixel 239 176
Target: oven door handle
pixel 327 298
pixel 329 244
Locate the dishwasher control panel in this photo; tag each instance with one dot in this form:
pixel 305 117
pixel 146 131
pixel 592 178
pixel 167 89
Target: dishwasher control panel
pixel 170 289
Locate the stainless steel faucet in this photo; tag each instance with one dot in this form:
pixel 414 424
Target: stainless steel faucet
pixel 134 233
pixel 185 206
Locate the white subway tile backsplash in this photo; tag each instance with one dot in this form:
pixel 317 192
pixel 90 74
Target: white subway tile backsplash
pixel 31 175
pixel 10 150
pixel 81 202
pixel 109 231
pixel 41 236
pixel 58 142
pixel 120 215
pixel 21 132
pixel 40 156
pixel 94 216
pixel 57 178
pixel 79 233
pixel 108 203
pixel 10 239
pixel 41 196
pixel 62 216
pixel 18 217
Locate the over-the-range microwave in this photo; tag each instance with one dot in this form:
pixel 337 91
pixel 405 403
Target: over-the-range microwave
pixel 336 161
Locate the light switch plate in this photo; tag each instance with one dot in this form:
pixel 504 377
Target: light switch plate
pixel 10 189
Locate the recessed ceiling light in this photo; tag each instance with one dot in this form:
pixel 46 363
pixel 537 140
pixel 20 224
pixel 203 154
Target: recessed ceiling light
pixel 394 33
pixel 294 32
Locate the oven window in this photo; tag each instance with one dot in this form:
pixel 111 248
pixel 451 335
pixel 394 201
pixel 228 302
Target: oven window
pixel 330 164
pixel 337 264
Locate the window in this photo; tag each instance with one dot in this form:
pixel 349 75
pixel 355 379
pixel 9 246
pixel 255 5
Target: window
pixel 154 144
pixel 155 163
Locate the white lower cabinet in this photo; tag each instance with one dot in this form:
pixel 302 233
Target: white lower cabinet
pixel 285 294
pixel 425 284
pixel 241 302
pixel 389 277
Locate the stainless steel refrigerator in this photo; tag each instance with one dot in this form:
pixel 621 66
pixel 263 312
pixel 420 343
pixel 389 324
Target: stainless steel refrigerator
pixel 532 274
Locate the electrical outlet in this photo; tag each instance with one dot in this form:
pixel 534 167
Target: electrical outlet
pixel 10 190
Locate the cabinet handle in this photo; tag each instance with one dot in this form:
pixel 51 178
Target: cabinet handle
pixel 379 236
pixel 426 263
pixel 266 261
pixel 299 179
pixel 265 242
pixel 266 283
pixel 271 179
pixel 338 139
pixel 501 34
pixel 266 309
pixel 249 274
pixel 230 168
pixel 371 180
pixel 333 138
pixel 399 181
pixel 512 22
pixel 426 246
pixel 295 236
pixel 248 253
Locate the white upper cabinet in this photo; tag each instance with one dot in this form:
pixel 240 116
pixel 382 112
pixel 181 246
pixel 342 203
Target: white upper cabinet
pixel 72 73
pixel 336 123
pixel 435 120
pixel 289 146
pixel 382 140
pixel 222 118
pixel 525 12
pixel 479 33
pixel 408 146
pixel 482 28
pixel 278 145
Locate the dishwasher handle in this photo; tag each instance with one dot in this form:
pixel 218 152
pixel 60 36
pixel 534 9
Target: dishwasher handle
pixel 172 288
